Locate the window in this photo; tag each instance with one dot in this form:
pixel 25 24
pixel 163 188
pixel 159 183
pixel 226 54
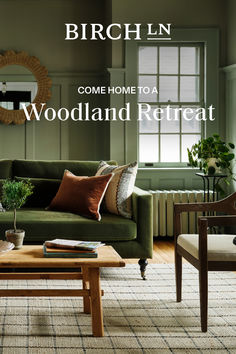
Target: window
pixel 177 71
pixel 196 79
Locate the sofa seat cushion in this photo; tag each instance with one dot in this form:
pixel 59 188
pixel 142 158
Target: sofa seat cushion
pixel 41 225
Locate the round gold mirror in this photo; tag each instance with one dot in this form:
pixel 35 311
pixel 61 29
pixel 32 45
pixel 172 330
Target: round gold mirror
pixel 36 89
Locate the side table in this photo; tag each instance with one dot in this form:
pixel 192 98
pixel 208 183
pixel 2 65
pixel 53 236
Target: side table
pixel 208 182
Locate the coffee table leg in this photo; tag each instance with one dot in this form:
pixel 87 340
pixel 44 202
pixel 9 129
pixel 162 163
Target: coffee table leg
pixel 96 302
pixel 87 308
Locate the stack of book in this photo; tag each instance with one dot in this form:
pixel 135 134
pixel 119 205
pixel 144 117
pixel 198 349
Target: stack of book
pixel 71 249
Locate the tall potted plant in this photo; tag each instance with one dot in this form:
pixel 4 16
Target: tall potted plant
pixel 213 155
pixel 14 195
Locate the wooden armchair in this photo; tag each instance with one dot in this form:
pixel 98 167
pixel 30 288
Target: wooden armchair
pixel 205 252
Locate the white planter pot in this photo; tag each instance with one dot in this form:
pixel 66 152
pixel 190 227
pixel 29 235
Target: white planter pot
pixel 15 237
pixel 211 162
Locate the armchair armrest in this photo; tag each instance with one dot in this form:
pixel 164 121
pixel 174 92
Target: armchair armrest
pixel 224 205
pixel 220 220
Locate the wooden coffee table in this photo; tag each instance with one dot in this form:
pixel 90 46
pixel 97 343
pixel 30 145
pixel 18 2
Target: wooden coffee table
pixel 29 263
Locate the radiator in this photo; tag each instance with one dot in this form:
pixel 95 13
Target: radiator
pixel 163 210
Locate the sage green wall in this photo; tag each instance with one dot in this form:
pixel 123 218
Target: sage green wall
pixel 37 27
pixel 230 72
pixel 231 32
pixel 181 13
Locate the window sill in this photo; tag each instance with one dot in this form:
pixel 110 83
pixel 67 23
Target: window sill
pixel 168 169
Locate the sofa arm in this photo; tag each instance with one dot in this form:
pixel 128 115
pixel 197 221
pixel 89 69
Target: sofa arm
pixel 142 205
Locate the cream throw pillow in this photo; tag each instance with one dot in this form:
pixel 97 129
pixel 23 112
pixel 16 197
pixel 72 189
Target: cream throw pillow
pixel 117 198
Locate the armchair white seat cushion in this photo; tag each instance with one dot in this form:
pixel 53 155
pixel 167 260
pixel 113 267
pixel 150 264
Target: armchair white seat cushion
pixel 220 247
pixel 206 252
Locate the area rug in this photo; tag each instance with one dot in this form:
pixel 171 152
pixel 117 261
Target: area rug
pixel 139 316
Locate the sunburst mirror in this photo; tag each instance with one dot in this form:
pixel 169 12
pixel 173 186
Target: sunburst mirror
pixel 12 94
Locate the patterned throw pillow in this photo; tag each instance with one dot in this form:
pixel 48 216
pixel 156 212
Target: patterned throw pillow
pixel 118 194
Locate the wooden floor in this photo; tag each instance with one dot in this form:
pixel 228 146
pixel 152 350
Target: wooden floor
pixel 163 252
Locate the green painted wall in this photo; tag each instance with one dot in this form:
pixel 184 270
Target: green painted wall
pixel 231 32
pixel 181 13
pixel 37 26
pixel 230 73
pixel 203 14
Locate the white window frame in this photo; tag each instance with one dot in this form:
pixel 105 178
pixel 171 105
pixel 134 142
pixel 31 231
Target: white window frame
pixel 199 103
pixel 209 37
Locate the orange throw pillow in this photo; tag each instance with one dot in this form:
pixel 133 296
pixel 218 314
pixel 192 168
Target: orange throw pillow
pixel 81 195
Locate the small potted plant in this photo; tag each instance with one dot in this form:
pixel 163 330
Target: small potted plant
pixel 212 155
pixel 14 195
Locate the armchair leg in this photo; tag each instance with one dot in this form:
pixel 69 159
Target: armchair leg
pixel 143 264
pixel 203 286
pixel 178 276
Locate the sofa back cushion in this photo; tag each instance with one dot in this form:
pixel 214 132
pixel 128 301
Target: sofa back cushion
pixel 54 169
pixel 44 191
pixel 46 176
pixel 5 169
pixel 1 182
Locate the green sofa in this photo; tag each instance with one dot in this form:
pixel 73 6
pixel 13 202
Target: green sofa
pixel 132 238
